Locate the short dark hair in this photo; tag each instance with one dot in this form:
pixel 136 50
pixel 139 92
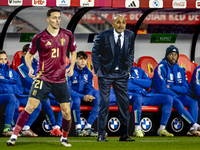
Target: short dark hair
pixel 83 54
pixel 2 52
pixel 25 48
pixel 52 10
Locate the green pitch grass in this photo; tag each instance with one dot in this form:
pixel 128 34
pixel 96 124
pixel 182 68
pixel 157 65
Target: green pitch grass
pixel 87 143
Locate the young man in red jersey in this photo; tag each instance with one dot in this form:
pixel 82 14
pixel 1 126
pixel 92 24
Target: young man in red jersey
pixel 52 45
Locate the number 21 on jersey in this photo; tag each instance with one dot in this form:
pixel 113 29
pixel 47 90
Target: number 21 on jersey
pixel 38 84
pixel 55 52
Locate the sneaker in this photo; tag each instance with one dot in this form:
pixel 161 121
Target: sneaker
pixel 102 138
pixel 89 132
pixel 65 143
pixel 138 133
pixel 28 133
pixel 106 134
pixel 8 133
pixel 56 132
pixel 11 142
pixel 193 133
pixel 79 132
pixel 164 132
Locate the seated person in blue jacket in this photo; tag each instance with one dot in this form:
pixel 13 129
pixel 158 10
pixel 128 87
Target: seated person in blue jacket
pixel 7 96
pixel 170 79
pixel 195 84
pixel 83 92
pixel 138 84
pixel 17 90
pixel 24 51
pixel 27 83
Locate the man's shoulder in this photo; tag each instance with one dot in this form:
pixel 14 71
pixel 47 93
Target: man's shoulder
pixel 65 31
pixel 128 32
pixel 41 33
pixel 162 65
pixel 109 31
pixel 180 68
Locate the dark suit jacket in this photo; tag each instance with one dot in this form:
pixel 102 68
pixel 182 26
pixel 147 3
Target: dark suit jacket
pixel 104 50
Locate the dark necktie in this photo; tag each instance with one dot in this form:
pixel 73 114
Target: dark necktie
pixel 119 42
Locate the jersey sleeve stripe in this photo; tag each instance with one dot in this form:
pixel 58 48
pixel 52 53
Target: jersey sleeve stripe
pixel 21 72
pixel 159 71
pixel 197 76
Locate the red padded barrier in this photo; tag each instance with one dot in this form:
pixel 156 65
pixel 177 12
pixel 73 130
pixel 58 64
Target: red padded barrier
pixel 111 108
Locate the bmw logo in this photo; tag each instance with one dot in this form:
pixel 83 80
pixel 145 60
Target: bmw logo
pixel 146 124
pixel 156 3
pixel 177 124
pixel 45 126
pixel 114 124
pixel 83 122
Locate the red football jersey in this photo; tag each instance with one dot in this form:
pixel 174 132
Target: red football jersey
pixel 52 54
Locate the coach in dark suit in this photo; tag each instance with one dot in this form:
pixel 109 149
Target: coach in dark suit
pixel 112 57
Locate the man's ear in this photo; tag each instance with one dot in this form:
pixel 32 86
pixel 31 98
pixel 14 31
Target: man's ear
pixel 113 25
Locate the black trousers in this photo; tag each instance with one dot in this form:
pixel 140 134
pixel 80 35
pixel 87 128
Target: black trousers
pixel 120 85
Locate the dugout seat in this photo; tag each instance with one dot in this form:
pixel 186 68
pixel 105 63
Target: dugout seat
pixel 16 60
pixel 8 63
pixel 134 64
pixel 189 66
pixel 148 64
pixel 67 61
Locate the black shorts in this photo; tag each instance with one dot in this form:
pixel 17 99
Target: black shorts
pixel 40 90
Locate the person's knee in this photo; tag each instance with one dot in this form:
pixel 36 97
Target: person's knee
pixel 32 105
pixel 66 114
pixel 194 104
pixel 169 99
pixel 96 101
pixel 12 99
pixel 17 104
pixel 96 93
pixel 76 101
pixel 30 108
pixel 178 104
pixel 138 100
pixel 66 111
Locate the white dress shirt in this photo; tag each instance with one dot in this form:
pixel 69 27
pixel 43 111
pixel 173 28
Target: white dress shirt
pixel 121 38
